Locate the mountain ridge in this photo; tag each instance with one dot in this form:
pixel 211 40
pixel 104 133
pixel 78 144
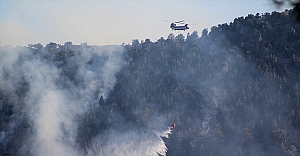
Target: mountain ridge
pixel 234 89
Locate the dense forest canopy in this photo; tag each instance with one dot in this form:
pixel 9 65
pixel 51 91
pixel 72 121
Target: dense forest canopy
pixel 234 90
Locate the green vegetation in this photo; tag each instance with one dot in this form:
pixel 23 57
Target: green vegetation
pixel 231 91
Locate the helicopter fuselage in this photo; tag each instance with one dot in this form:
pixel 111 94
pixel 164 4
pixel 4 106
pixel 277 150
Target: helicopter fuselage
pixel 182 27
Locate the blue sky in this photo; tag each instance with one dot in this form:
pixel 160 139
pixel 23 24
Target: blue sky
pixel 100 22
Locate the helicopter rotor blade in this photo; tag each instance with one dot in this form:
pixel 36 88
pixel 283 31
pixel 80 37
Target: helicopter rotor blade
pixel 179 21
pixel 193 24
pixel 166 21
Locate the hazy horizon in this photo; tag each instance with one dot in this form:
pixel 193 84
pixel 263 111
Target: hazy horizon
pixel 113 22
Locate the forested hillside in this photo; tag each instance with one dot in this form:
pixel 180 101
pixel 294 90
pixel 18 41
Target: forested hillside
pixel 234 90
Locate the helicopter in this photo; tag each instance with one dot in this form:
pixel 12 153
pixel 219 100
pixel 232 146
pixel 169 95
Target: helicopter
pixel 175 27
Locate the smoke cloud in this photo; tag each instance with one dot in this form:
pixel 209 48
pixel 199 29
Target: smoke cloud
pixel 53 88
pixel 120 100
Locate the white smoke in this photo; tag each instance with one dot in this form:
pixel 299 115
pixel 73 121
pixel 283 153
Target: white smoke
pixel 54 100
pixel 131 143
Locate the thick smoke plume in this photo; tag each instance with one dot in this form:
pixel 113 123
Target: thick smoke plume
pixel 50 90
pixel 232 91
